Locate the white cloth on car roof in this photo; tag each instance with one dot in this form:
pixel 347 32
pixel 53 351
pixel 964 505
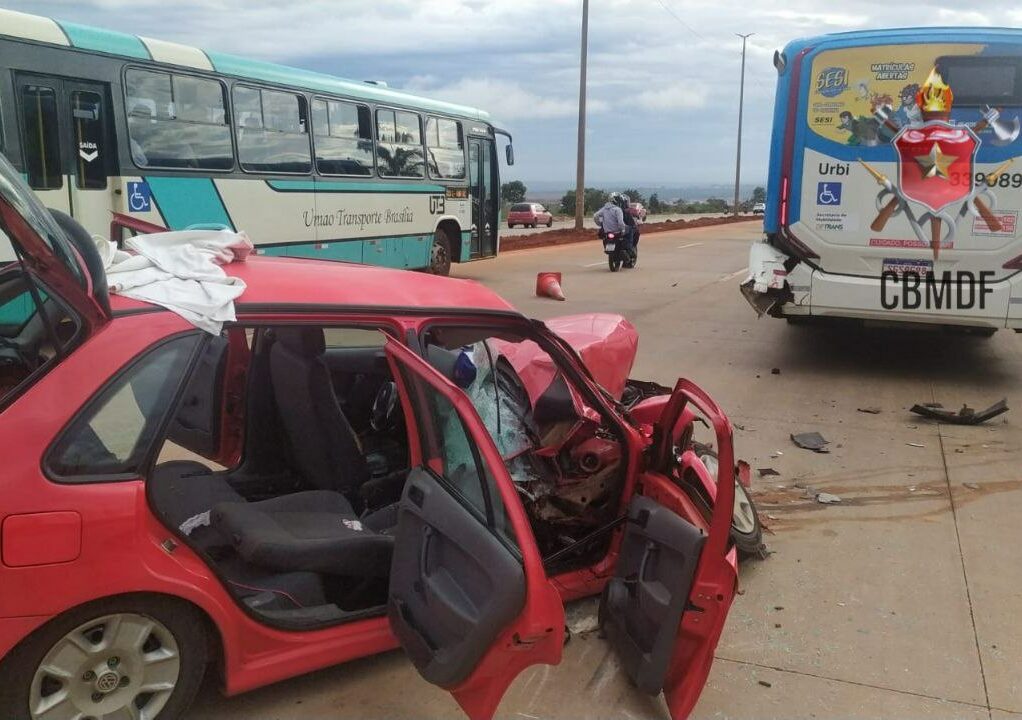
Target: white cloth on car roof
pixel 180 271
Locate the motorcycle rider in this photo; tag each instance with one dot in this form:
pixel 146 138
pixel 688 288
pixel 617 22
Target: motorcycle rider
pixel 631 224
pixel 610 218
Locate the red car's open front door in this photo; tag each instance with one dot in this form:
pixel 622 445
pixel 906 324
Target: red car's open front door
pixel 469 599
pixel 665 607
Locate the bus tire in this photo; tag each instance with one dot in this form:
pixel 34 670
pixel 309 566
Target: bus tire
pixel 440 253
pixel 174 627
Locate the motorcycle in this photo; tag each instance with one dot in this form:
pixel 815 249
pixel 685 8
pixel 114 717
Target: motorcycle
pixel 618 253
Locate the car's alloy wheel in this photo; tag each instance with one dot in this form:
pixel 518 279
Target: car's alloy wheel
pixel 123 665
pixel 130 658
pixel 746 529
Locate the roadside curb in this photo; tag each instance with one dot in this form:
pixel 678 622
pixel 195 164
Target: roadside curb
pixel 552 238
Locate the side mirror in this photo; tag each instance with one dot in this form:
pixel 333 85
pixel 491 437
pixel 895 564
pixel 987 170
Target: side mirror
pixel 509 152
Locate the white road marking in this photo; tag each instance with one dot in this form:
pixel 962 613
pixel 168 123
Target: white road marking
pixel 602 262
pixel 682 247
pixel 733 275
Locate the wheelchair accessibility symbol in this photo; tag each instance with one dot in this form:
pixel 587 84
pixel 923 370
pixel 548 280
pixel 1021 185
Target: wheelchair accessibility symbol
pixel 828 193
pixel 140 198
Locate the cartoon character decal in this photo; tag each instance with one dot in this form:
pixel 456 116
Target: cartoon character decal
pixel 936 181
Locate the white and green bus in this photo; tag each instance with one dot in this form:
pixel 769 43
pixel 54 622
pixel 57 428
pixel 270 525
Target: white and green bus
pixel 129 132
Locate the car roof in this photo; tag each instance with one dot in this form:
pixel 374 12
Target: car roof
pixel 326 283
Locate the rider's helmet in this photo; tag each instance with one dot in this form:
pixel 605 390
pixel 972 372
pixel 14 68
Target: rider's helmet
pixel 620 199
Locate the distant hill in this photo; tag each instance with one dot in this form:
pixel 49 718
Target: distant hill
pixel 547 190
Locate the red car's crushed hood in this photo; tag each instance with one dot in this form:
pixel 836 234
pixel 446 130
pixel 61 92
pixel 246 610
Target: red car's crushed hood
pixel 607 344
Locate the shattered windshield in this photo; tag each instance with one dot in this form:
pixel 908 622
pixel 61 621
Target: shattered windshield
pixel 564 459
pixel 14 192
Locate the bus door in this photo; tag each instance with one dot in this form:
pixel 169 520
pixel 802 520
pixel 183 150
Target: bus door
pixel 67 146
pixel 482 185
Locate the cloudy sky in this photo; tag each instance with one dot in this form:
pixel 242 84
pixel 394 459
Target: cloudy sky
pixel 663 74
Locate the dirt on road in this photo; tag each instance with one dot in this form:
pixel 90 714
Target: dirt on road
pixel 565 237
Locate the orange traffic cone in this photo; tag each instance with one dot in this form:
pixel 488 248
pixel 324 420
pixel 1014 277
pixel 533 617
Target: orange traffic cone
pixel 548 284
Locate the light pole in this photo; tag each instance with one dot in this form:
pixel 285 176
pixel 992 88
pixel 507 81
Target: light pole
pixel 741 102
pixel 580 170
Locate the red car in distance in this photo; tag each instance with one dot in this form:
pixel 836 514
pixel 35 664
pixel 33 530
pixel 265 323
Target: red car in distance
pixel 529 215
pixel 366 458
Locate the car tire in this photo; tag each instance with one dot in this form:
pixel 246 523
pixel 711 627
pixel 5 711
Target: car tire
pixel 510 226
pixel 174 628
pixel 746 528
pixel 550 223
pixel 440 253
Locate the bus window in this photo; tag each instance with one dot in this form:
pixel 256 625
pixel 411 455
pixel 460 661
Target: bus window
pixel 273 131
pixel 177 121
pixel 86 109
pixel 399 144
pixel 343 138
pixel 42 144
pixel 981 80
pixel 445 148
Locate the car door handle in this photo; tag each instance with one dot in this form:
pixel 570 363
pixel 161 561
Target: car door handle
pixel 427 537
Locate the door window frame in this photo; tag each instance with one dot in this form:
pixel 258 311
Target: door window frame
pixel 147 457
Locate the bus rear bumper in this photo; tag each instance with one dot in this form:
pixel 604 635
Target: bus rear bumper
pixel 971 304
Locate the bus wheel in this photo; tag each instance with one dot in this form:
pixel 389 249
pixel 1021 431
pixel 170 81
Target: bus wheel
pixel 440 255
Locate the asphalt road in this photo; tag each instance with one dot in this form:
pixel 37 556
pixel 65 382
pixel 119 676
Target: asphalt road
pixel 505 231
pixel 902 601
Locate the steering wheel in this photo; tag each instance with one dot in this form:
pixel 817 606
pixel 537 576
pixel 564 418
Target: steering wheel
pixel 19 352
pixel 381 417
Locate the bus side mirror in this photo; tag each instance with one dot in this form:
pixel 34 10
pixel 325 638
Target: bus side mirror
pixel 509 152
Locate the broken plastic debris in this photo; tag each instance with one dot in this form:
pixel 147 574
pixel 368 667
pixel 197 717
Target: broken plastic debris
pixel 915 445
pixel 872 410
pixel 827 498
pixel 766 472
pixel 811 441
pixel 965 416
pixel 971 486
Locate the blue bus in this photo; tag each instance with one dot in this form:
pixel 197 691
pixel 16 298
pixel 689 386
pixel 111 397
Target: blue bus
pixel 894 193
pixel 130 132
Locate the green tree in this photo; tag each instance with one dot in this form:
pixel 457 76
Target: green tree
pixel 594 199
pixel 759 194
pixel 513 192
pixel 714 205
pixel 655 205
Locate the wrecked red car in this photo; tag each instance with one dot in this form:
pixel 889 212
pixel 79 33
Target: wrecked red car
pixel 365 458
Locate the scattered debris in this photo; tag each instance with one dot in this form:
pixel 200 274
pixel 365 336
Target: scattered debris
pixel 776 454
pixel 775 371
pixel 766 472
pixel 811 441
pixel 744 473
pixel 965 416
pixel 764 683
pixel 920 445
pixel 737 426
pixel 827 498
pixel 971 486
pixel 778 607
pixel 872 410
